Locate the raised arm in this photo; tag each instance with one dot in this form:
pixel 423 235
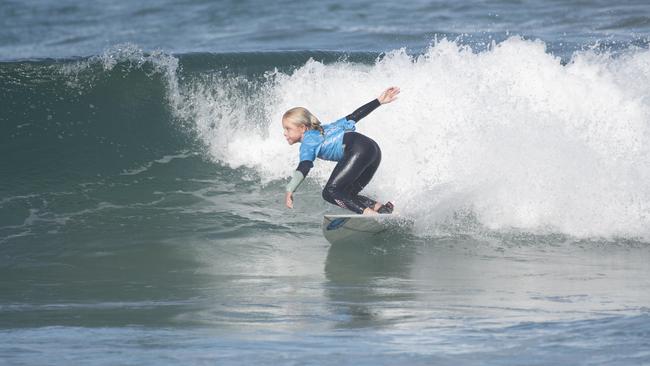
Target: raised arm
pixel 387 96
pixel 363 111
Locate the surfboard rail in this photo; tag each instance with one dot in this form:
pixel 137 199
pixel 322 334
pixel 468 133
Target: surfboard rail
pixel 338 228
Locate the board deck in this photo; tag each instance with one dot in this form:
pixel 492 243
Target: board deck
pixel 338 228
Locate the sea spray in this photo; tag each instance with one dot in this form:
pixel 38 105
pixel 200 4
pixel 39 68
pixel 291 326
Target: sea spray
pixel 510 134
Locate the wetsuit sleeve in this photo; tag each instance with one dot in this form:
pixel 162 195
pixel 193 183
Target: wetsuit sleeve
pixel 305 166
pixel 299 175
pixel 363 111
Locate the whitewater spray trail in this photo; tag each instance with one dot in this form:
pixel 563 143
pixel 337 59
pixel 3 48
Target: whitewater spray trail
pixel 511 136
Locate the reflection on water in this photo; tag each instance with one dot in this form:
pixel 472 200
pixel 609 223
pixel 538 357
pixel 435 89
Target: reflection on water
pixel 450 281
pixel 368 283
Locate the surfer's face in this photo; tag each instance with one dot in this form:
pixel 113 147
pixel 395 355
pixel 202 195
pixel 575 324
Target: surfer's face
pixel 293 132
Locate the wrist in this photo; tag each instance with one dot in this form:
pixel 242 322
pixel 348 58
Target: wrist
pixel 296 179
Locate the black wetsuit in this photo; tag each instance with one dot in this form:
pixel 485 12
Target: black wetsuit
pixel 361 158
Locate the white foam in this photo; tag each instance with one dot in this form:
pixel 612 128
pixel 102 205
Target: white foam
pixel 164 160
pixel 509 134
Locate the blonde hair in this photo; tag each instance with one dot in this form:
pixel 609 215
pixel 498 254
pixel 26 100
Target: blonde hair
pixel 302 116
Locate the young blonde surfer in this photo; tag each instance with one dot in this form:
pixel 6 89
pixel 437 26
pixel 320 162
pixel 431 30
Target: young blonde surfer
pixel 358 156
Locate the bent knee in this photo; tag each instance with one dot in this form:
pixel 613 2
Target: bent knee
pixel 331 193
pixel 327 194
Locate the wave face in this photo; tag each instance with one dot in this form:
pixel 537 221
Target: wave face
pixel 85 117
pixel 510 138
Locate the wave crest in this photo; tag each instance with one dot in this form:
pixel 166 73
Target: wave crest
pixel 511 133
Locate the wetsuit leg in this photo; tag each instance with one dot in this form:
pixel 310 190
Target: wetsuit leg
pixel 366 176
pixel 360 161
pixel 363 180
pixel 365 201
pixel 361 201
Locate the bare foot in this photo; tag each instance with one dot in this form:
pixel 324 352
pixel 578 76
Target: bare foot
pixel 369 211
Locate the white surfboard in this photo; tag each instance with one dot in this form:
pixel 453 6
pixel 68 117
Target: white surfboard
pixel 339 228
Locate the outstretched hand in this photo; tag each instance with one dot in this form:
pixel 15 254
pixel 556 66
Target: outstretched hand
pixel 388 95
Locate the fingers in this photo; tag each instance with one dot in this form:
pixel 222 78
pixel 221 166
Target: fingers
pixel 288 200
pixel 389 95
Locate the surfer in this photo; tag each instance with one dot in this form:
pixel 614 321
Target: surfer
pixel 358 156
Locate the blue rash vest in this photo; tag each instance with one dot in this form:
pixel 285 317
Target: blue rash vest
pixel 329 146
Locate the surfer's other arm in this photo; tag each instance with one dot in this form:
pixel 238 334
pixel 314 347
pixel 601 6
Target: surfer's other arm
pixel 386 96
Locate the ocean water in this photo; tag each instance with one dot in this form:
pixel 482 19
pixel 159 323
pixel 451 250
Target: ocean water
pixel 142 170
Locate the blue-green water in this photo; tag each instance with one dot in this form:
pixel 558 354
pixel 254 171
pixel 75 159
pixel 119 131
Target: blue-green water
pixel 143 166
